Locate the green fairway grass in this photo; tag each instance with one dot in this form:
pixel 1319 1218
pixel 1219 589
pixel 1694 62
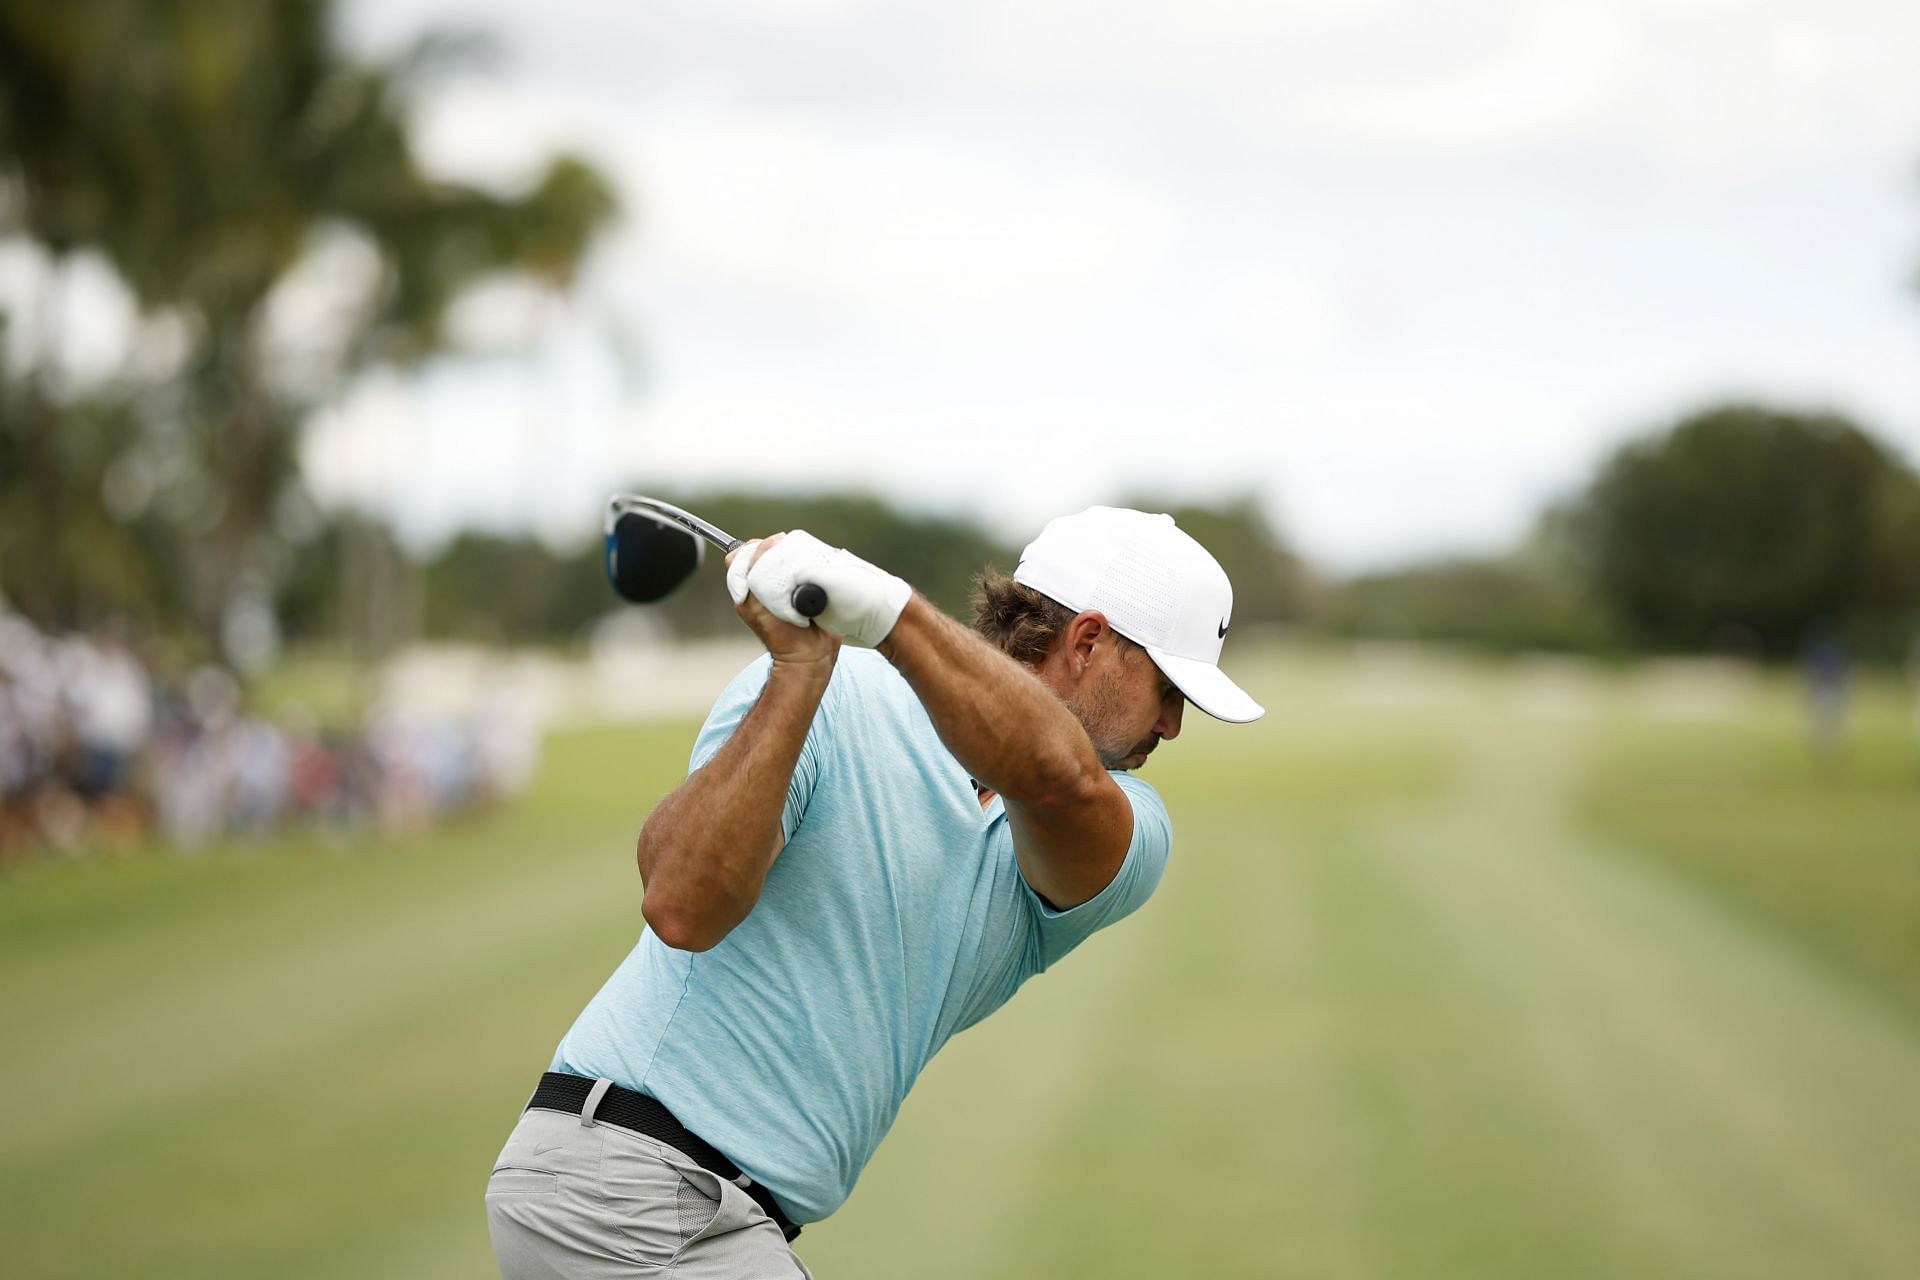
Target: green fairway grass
pixel 1828 847
pixel 1459 970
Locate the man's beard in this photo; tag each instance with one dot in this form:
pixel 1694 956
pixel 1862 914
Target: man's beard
pixel 1098 709
pixel 1118 759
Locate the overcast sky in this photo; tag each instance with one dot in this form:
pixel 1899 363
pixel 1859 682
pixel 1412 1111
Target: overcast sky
pixel 1404 268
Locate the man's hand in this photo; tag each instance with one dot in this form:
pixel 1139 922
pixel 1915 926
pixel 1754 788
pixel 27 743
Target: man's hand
pixel 863 602
pixel 790 643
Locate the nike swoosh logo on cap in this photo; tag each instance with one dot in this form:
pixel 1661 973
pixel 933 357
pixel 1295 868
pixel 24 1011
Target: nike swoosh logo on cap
pixel 1223 628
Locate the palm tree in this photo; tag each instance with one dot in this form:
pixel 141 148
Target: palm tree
pixel 204 147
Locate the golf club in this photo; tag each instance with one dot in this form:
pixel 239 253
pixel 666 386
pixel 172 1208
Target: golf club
pixel 654 546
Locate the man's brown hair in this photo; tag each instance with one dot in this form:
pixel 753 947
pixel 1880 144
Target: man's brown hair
pixel 1015 618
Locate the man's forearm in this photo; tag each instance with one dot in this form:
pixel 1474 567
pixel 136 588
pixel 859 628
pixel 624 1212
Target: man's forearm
pixel 705 850
pixel 995 715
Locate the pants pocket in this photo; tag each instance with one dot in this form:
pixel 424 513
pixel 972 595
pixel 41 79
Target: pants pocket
pixel 523 1182
pixel 657 1207
pixel 698 1203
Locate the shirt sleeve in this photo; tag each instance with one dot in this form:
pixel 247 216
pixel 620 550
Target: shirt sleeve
pixel 728 711
pixel 1139 875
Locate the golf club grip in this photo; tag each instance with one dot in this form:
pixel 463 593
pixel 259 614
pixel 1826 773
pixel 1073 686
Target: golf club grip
pixel 809 599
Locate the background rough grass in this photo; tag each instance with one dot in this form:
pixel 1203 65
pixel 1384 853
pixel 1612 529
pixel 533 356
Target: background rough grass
pixel 1459 970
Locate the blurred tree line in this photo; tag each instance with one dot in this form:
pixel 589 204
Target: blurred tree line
pixel 1742 529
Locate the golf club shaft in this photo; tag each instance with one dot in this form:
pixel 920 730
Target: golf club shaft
pixel 809 599
pixel 685 519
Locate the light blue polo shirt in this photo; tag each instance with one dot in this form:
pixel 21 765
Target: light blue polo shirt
pixel 894 917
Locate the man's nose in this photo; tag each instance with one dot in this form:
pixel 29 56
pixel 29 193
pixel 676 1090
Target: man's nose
pixel 1170 712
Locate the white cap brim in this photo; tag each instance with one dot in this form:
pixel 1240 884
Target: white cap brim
pixel 1207 687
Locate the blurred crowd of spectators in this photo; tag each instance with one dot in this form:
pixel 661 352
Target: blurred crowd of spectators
pixel 95 752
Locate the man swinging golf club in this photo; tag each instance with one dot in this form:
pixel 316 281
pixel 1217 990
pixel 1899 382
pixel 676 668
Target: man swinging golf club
pixel 875 846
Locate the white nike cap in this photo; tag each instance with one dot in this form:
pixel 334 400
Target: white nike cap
pixel 1158 588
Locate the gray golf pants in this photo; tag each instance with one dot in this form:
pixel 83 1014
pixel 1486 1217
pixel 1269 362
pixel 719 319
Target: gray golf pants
pixel 571 1199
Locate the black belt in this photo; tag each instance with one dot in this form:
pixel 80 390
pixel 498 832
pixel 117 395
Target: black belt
pixel 559 1091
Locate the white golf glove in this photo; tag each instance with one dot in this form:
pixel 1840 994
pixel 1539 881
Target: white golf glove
pixel 863 602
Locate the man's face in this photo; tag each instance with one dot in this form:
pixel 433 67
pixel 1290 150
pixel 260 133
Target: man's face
pixel 1126 705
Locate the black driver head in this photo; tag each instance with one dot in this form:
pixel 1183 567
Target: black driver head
pixel 649 556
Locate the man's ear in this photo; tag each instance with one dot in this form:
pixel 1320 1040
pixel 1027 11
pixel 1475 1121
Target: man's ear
pixel 1083 633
